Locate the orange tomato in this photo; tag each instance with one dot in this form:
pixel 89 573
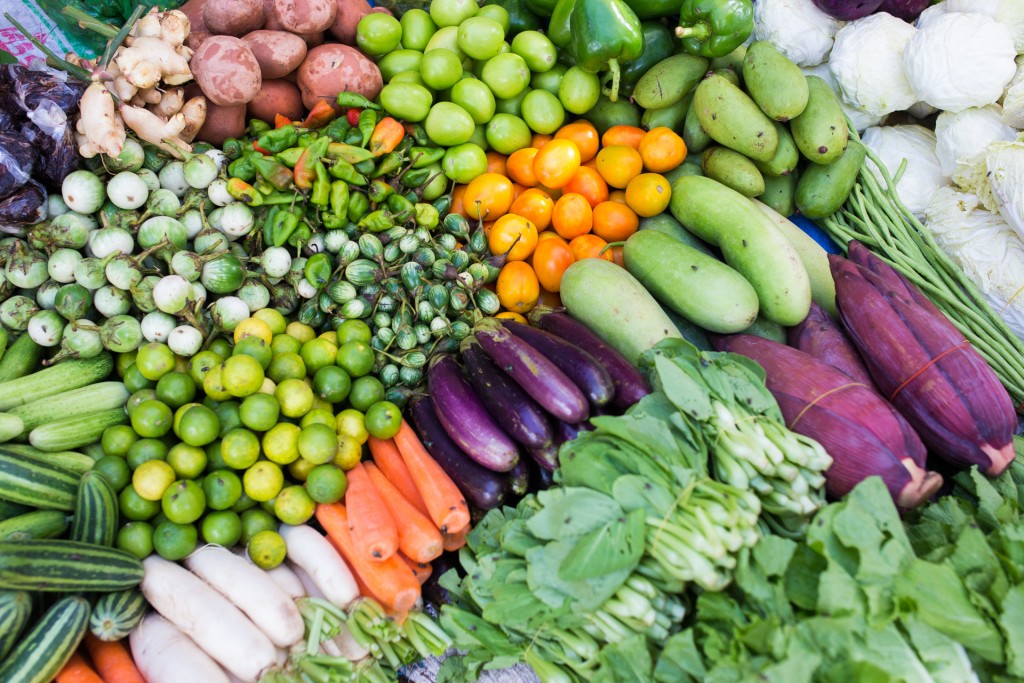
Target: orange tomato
pixel 572 216
pixel 662 149
pixel 556 163
pixel 496 162
pixel 549 235
pixel 590 184
pixel 457 205
pixel 538 140
pixel 517 287
pixel 534 205
pixel 617 196
pixel 585 136
pixel 614 222
pixel 618 164
pixel 589 246
pixel 512 315
pixel 520 166
pixel 648 194
pixel 488 196
pixel 550 259
pixel 550 299
pixel 629 136
pixel 513 234
pixel 517 190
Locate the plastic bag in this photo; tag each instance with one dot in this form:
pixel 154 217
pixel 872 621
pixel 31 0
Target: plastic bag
pixel 17 161
pixel 48 128
pixel 23 207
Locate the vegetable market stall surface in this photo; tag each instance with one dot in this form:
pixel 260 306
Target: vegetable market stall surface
pixel 427 670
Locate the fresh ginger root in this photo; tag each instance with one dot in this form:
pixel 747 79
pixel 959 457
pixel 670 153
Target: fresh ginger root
pixel 148 59
pixel 151 128
pixel 105 130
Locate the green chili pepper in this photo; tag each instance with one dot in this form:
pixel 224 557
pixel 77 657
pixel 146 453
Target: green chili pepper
pixel 353 137
pixel 605 33
pixel 258 127
pixel 365 167
pixel 378 191
pixel 279 139
pixel 399 204
pixel 289 156
pixel 286 224
pixel 354 99
pixel 276 198
pixel 426 216
pixel 337 129
pixel 318 269
pixel 389 163
pixel 376 221
pixel 305 167
pixel 412 196
pixel 416 177
pixel 367 122
pixel 332 222
pixel 406 144
pixel 321 194
pixel 358 205
pixel 339 198
pixel 342 170
pixel 308 138
pixel 425 156
pixel 268 224
pixel 275 173
pixel 714 28
pixel 242 169
pixel 300 236
pixel 244 192
pixel 349 153
pixel 232 148
pixel 263 185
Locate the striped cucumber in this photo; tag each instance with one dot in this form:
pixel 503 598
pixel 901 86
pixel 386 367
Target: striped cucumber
pixel 15 614
pixel 115 614
pixel 20 359
pixel 35 524
pixel 60 566
pixel 71 461
pixel 88 399
pixel 64 376
pixel 49 644
pixel 37 484
pixel 11 427
pixel 96 509
pixel 76 431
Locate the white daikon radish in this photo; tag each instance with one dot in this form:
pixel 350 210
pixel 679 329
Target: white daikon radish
pixel 287 581
pixel 309 549
pixel 350 649
pixel 208 618
pixel 251 590
pixel 163 654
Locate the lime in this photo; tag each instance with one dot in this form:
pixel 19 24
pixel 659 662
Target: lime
pixel 255 520
pixel 383 419
pixel 300 331
pixel 228 412
pixel 283 343
pixel 293 505
pixel 223 488
pixel 136 538
pixel 198 426
pixel 263 480
pixel 319 416
pixel 125 361
pixel 354 330
pixel 255 347
pixel 317 443
pixel 352 423
pixel 152 418
pixel 187 461
pixel 133 379
pixel 138 398
pixel 253 327
pixel 154 360
pixel 176 389
pixel 318 353
pixel 259 412
pixel 349 452
pixel 365 392
pixel 295 397
pixel 183 502
pixel 221 347
pixel 174 541
pixel 326 483
pixel 242 375
pixel 266 549
pixel 281 443
pixel 201 363
pixel 145 450
pixel 114 469
pixel 244 503
pixel 286 365
pixel 332 384
pixel 273 318
pixel 214 460
pixel 356 358
pixel 134 507
pixel 213 384
pixel 240 448
pixel 223 527
pixel 152 478
pixel 299 469
pixel 331 336
pixel 117 439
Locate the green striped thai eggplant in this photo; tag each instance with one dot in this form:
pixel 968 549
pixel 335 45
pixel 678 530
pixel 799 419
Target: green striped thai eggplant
pixel 819 335
pixel 860 430
pixel 924 366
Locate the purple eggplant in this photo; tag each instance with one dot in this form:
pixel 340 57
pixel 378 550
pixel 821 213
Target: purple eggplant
pixel 630 385
pixel 590 376
pixel 483 488
pixel 546 457
pixel 907 10
pixel 539 377
pixel 519 478
pixel 466 420
pixel 848 10
pixel 506 401
pixel 565 431
pixel 541 478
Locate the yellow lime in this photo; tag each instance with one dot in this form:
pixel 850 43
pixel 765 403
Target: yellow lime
pixel 295 397
pixel 349 452
pixel 239 448
pixel 300 331
pixel 293 505
pixel 273 318
pixel 319 416
pixel 300 469
pixel 263 481
pixel 284 343
pixel 242 375
pixel 213 384
pixel 281 443
pixel 152 478
pixel 181 411
pixel 318 353
pixel 266 549
pixel 352 423
pixel 286 365
pixel 330 336
pixel 268 386
pixel 253 327
pixel 318 443
pixel 319 403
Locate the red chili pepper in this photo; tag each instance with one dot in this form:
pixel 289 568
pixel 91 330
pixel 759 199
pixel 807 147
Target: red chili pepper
pixel 280 121
pixel 257 148
pixel 353 116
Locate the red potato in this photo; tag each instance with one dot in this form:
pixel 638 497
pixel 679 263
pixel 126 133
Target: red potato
pixel 233 17
pixel 347 18
pixel 331 68
pixel 226 70
pixel 382 10
pixel 271 21
pixel 222 123
pixel 277 52
pixel 306 16
pixel 198 31
pixel 277 97
pixel 314 39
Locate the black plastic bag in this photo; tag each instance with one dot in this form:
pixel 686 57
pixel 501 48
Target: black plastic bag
pixel 49 129
pixel 22 208
pixel 22 89
pixel 17 162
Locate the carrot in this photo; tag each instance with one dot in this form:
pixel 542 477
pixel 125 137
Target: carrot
pixel 112 660
pixel 77 671
pixel 389 461
pixel 373 528
pixel 421 570
pixel 444 501
pixel 390 581
pixel 418 538
pixel 456 540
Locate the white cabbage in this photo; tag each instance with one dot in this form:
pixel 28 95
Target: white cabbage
pixel 867 63
pixel 990 253
pixel 930 14
pixel 961 136
pixel 1013 99
pixel 922 174
pixel 960 60
pixel 797 29
pixel 861 119
pixel 1004 166
pixel 1011 15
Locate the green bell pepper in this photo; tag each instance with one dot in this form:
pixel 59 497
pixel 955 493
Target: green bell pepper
pixel 559 31
pixel 714 28
pixel 521 14
pixel 605 33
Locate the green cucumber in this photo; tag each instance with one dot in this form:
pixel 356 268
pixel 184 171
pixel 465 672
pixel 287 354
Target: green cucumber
pixel 612 303
pixel 35 524
pixel 750 243
pixel 733 119
pixel 60 566
pixel 698 287
pixel 20 359
pixel 10 509
pixel 64 376
pixel 76 431
pixel 96 510
pixel 115 614
pixel 664 223
pixel 88 399
pixel 11 427
pixel 71 461
pixel 49 644
pixel 37 484
pixel 15 615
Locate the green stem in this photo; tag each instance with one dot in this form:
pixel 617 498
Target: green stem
pixel 613 66
pixel 76 71
pixel 89 22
